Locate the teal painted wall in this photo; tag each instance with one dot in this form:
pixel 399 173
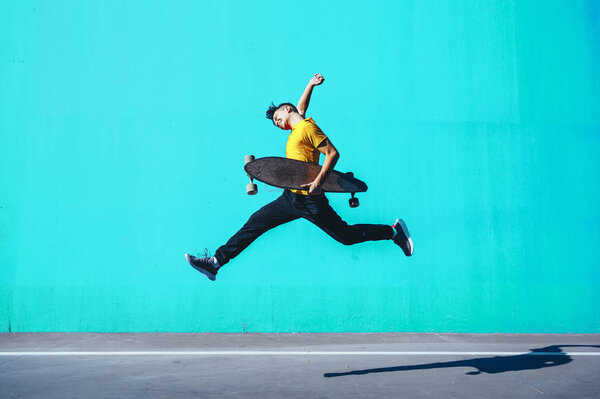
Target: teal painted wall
pixel 123 127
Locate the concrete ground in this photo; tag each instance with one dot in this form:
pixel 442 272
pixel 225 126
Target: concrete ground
pixel 165 365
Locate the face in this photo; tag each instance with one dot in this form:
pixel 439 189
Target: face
pixel 281 117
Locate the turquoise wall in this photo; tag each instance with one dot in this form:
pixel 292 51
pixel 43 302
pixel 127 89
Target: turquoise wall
pixel 123 127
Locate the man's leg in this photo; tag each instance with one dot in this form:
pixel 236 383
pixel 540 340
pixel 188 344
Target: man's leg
pixel 317 210
pixel 269 216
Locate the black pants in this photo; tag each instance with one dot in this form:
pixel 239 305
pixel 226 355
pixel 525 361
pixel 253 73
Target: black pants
pixel 290 206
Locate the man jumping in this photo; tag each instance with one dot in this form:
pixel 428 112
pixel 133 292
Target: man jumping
pixel 306 142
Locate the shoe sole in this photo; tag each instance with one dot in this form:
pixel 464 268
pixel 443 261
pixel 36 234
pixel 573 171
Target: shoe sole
pixel 409 242
pixel 201 270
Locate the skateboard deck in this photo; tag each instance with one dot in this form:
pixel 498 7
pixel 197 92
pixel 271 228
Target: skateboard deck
pixel 291 174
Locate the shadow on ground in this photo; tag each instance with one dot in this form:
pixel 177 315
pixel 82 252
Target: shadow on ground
pixel 536 359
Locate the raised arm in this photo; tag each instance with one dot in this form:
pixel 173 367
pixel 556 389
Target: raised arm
pixel 305 98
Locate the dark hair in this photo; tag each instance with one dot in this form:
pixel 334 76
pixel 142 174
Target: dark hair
pixel 273 108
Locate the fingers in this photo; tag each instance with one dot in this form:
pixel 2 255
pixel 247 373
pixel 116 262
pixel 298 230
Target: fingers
pixel 312 189
pixel 318 78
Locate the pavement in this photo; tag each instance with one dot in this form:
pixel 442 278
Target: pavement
pixel 315 365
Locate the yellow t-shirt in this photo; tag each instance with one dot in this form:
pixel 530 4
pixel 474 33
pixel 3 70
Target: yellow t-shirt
pixel 303 142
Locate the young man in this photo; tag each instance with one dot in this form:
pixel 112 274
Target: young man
pixel 306 142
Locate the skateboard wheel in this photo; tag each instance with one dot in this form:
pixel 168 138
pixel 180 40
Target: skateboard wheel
pixel 251 189
pixel 353 202
pixel 248 158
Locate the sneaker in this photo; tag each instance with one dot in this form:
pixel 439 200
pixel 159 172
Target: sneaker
pixel 403 237
pixel 204 264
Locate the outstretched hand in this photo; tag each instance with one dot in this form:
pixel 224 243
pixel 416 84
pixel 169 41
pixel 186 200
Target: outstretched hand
pixel 317 79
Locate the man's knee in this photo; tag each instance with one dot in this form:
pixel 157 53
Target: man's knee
pixel 349 236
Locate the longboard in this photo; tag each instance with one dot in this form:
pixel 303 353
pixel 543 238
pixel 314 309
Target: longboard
pixel 292 174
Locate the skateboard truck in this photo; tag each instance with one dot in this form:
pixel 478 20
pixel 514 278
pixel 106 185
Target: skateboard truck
pixel 353 201
pixel 251 188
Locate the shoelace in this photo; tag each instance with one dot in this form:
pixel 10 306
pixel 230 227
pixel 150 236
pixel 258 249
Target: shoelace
pixel 206 254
